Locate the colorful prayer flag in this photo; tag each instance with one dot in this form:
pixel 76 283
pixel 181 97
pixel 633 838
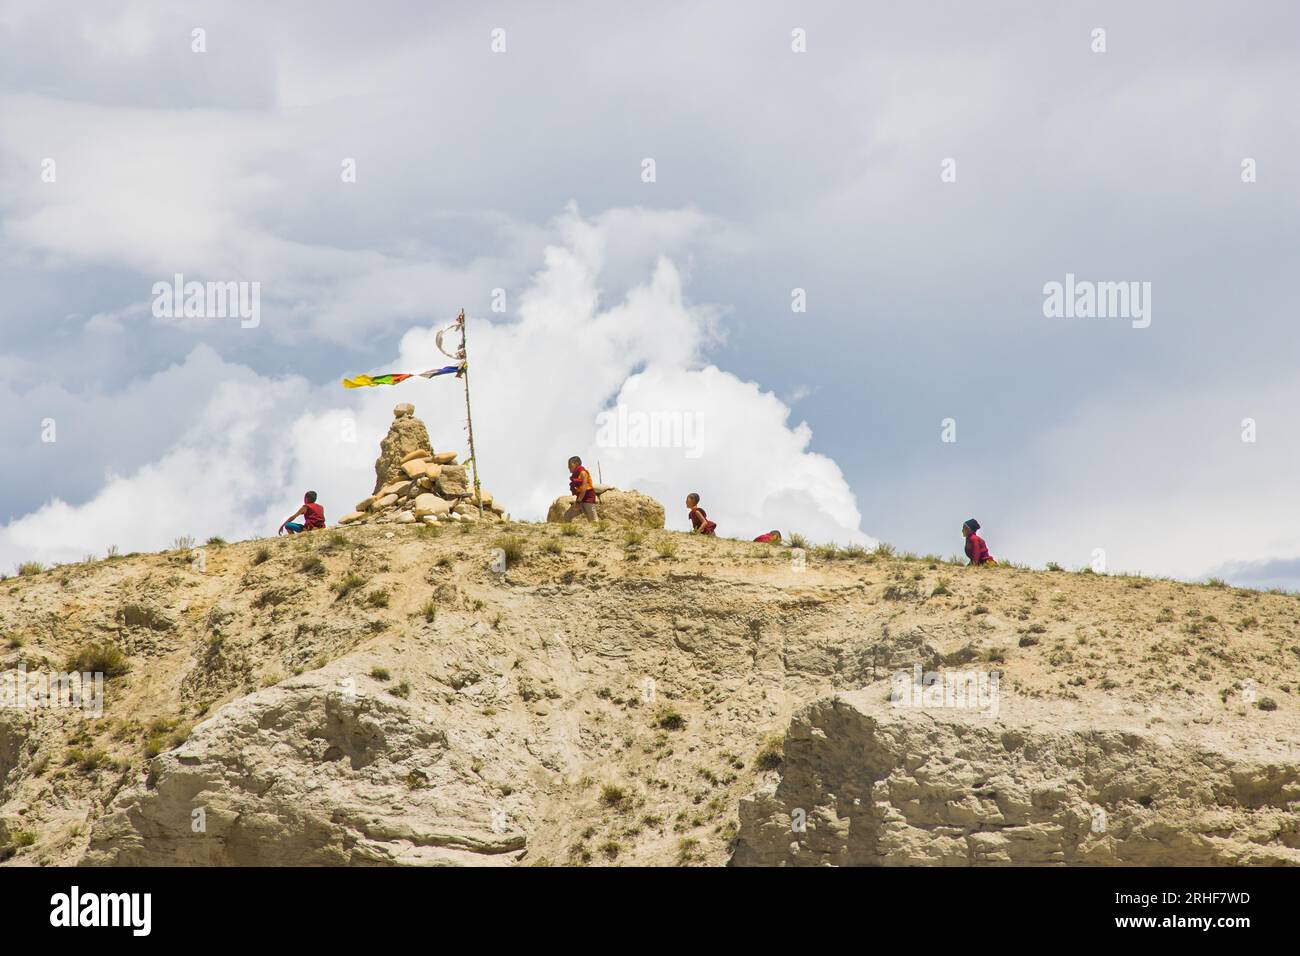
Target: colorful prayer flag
pixel 394 378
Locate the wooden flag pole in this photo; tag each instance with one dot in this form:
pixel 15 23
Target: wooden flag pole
pixel 469 418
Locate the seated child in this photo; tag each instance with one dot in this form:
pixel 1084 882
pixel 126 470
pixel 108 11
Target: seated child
pixel 313 516
pixel 976 549
pixel 700 523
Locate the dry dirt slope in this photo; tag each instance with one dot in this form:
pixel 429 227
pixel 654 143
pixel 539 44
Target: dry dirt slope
pixel 379 695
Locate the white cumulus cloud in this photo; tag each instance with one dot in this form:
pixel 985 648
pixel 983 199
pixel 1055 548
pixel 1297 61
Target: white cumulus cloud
pixel 552 380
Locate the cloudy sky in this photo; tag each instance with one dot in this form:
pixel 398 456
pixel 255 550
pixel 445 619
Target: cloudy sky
pixel 920 171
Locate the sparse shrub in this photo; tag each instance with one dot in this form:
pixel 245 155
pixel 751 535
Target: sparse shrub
pixel 312 565
pixel 1267 703
pixel 263 555
pixel 99 658
pixel 688 851
pixel 1217 583
pixel 164 734
pixel 772 754
pixel 429 610
pixel 614 796
pixel 512 546
pixel 670 719
pixel 884 550
pixel 402 690
pixel 552 546
pixel 568 529
pixel 666 548
pixel 632 537
pixel 798 541
pixel 183 543
pixel 380 673
pixel 377 599
pixel 941 588
pixel 337 541
pixel 900 592
pixel 271 597
pixel 216 541
pixel 112 552
pixel 87 761
pixel 28 568
pixel 347 584
pixel 1053 566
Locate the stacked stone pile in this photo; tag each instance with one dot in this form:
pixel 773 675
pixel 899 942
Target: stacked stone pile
pixel 414 483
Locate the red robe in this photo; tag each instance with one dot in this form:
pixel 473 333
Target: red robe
pixel 580 485
pixel 978 551
pixel 313 515
pixel 701 523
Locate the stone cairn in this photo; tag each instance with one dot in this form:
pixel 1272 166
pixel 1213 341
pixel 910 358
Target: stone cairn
pixel 414 484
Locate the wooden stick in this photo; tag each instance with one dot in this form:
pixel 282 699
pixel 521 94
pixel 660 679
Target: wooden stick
pixel 469 419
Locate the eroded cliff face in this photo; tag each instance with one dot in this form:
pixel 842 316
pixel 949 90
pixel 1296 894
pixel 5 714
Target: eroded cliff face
pixel 865 782
pixel 311 773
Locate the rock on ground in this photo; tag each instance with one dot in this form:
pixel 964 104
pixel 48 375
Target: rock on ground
pixel 453 482
pixel 621 507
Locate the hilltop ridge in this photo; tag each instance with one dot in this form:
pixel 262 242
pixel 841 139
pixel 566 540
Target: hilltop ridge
pixel 381 694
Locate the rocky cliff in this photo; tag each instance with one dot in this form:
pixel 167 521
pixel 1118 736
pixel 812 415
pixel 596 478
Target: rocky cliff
pixel 523 694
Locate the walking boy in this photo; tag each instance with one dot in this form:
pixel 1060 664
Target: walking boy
pixel 583 490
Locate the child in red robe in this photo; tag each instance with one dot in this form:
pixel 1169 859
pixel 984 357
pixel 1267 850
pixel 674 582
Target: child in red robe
pixel 313 516
pixel 583 490
pixel 700 523
pixel 976 549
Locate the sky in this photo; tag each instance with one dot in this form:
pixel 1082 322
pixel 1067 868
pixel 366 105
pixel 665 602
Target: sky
pixel 815 237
